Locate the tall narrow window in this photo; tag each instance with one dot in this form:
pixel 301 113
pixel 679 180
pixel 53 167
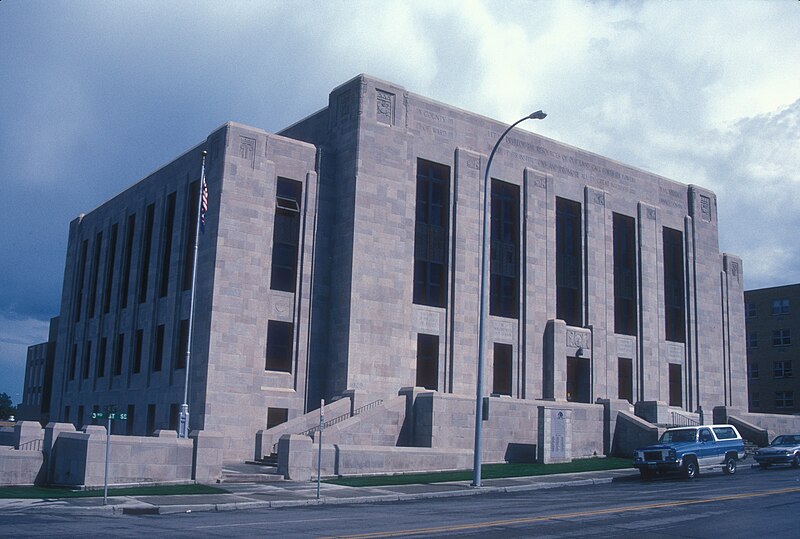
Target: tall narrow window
pixel 675 385
pixel 183 341
pixel 158 357
pixel 137 351
pixel 73 359
pixel 144 272
pixel 87 357
pixel 79 282
pixel 151 419
pixel 279 346
pixel 624 275
pixel 110 257
pixel 286 235
pixel 130 228
pixel 431 233
pixel 130 427
pixel 625 379
pixel 119 348
pixel 95 272
pixel 428 361
pixel 569 266
pixel 502 369
pixel 169 221
pixel 674 303
pixel 504 260
pixel 191 230
pixel 101 358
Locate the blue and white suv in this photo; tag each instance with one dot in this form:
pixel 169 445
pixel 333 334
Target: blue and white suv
pixel 689 449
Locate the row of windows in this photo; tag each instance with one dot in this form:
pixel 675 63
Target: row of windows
pixel 783 400
pixel 284 251
pixel 431 255
pixel 780 369
pixel 117 355
pixel 780 337
pixel 780 307
pixel 153 420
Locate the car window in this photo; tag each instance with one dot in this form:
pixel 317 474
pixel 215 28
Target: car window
pixel 705 435
pixel 724 433
pixel 679 435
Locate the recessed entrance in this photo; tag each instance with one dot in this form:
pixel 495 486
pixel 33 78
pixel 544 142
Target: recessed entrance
pixel 578 378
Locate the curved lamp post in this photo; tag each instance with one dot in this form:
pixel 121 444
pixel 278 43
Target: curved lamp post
pixel 476 468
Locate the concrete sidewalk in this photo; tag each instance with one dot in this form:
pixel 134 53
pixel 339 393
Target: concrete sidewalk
pixel 277 494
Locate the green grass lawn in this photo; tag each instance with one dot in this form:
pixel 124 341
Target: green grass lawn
pixel 54 492
pixel 488 471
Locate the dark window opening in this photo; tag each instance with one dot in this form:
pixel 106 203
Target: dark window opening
pixel 95 273
pixel 151 419
pixel 158 358
pixel 431 243
pixel 87 357
pixel 191 233
pixel 625 379
pixel 101 358
pixel 279 346
pixel 79 421
pixel 129 423
pixel 174 416
pixel 144 273
pixel 501 381
pixel 578 379
pixel 504 258
pixel 781 337
pixel 110 257
pixel 276 416
pixel 675 385
pixel 286 235
pixel 130 228
pixel 79 282
pixel 137 351
pixel 569 265
pixel 427 361
pixel 119 348
pixel 169 221
pixel 624 275
pixel 183 342
pixel 73 358
pixel 674 302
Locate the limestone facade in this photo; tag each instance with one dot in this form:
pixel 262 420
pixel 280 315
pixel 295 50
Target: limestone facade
pixel 341 256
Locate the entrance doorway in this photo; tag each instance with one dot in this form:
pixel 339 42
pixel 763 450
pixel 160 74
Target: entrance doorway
pixel 625 379
pixel 578 379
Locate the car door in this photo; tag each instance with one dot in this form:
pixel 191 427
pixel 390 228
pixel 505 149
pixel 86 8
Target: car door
pixel 707 452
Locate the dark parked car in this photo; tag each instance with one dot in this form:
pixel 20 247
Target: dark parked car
pixel 784 449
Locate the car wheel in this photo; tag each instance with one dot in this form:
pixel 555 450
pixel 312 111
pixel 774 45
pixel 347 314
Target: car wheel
pixel 690 469
pixel 796 460
pixel 730 465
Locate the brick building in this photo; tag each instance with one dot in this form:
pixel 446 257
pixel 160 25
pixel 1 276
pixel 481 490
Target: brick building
pixel 341 256
pixel 771 320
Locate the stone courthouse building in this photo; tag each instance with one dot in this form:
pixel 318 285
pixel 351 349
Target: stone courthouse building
pixel 341 258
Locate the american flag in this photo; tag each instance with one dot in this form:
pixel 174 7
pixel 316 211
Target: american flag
pixel 203 206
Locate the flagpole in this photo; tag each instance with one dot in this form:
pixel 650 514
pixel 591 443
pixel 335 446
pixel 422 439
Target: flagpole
pixel 183 423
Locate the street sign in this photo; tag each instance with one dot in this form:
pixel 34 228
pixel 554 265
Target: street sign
pixel 111 415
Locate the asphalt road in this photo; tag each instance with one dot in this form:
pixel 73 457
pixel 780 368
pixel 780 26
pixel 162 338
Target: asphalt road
pixel 752 503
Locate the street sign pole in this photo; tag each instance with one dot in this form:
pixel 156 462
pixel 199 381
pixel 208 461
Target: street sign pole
pixel 319 455
pixel 105 474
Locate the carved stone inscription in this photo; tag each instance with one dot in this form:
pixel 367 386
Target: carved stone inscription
pixel 434 123
pixel 671 198
pixel 428 321
pixel 503 332
pixel 558 434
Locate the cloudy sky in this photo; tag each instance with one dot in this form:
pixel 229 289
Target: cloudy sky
pixel 95 95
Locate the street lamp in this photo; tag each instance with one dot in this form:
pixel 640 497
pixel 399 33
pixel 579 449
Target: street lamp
pixel 476 467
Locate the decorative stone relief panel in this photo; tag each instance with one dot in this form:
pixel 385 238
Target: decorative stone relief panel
pixel 705 208
pixel 578 339
pixel 247 149
pixel 651 214
pixel 385 107
pixel 503 331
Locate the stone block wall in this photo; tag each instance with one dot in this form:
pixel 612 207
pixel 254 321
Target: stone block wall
pixel 80 458
pixel 632 432
pixel 380 426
